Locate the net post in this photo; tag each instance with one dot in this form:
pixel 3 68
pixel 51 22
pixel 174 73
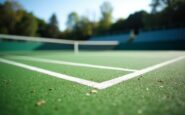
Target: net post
pixel 76 47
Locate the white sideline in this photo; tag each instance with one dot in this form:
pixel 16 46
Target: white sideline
pixel 102 85
pixel 48 72
pixel 74 64
pixel 115 81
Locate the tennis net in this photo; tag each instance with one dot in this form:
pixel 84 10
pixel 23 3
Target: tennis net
pixel 13 42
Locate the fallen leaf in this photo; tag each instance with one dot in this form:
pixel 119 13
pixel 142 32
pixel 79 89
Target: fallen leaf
pixel 40 102
pixel 160 81
pixel 93 91
pixel 88 94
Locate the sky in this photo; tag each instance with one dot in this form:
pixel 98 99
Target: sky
pixel 90 8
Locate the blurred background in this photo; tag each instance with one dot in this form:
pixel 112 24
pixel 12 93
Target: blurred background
pixel 135 24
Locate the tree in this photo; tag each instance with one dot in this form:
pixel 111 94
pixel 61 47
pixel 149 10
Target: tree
pixel 72 21
pixel 172 13
pixel 8 16
pixel 42 28
pixel 15 20
pixel 27 25
pixel 118 26
pixel 155 4
pixel 52 28
pixel 106 20
pixel 84 28
pixel 135 21
pixel 78 27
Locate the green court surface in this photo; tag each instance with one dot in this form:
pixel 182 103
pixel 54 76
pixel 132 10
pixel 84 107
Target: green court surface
pixel 157 92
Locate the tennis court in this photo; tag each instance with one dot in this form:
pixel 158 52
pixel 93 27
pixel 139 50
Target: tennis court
pixel 105 57
pixel 160 90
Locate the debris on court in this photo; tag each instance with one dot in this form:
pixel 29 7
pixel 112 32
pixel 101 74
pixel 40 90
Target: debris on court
pixel 93 91
pixel 40 102
pixel 140 111
pixel 56 108
pixel 114 104
pixel 88 94
pixel 141 76
pixel 161 86
pixel 59 100
pixel 160 81
pixel 33 91
pixel 147 89
pixel 7 82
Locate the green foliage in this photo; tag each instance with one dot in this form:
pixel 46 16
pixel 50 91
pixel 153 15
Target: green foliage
pixel 27 25
pixel 118 25
pixel 52 27
pixel 79 28
pixel 14 20
pixel 106 20
pixel 133 22
pixel 155 4
pixel 8 17
pixel 42 28
pixel 73 19
pixel 173 14
pixel 84 28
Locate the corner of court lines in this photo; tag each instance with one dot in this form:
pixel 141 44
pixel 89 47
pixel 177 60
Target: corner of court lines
pixel 101 85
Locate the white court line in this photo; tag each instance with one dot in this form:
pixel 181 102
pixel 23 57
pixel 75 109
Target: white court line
pixel 73 64
pixel 102 85
pixel 115 81
pixel 51 73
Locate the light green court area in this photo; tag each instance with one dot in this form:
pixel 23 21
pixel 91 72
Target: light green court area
pixel 160 92
pixel 124 59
